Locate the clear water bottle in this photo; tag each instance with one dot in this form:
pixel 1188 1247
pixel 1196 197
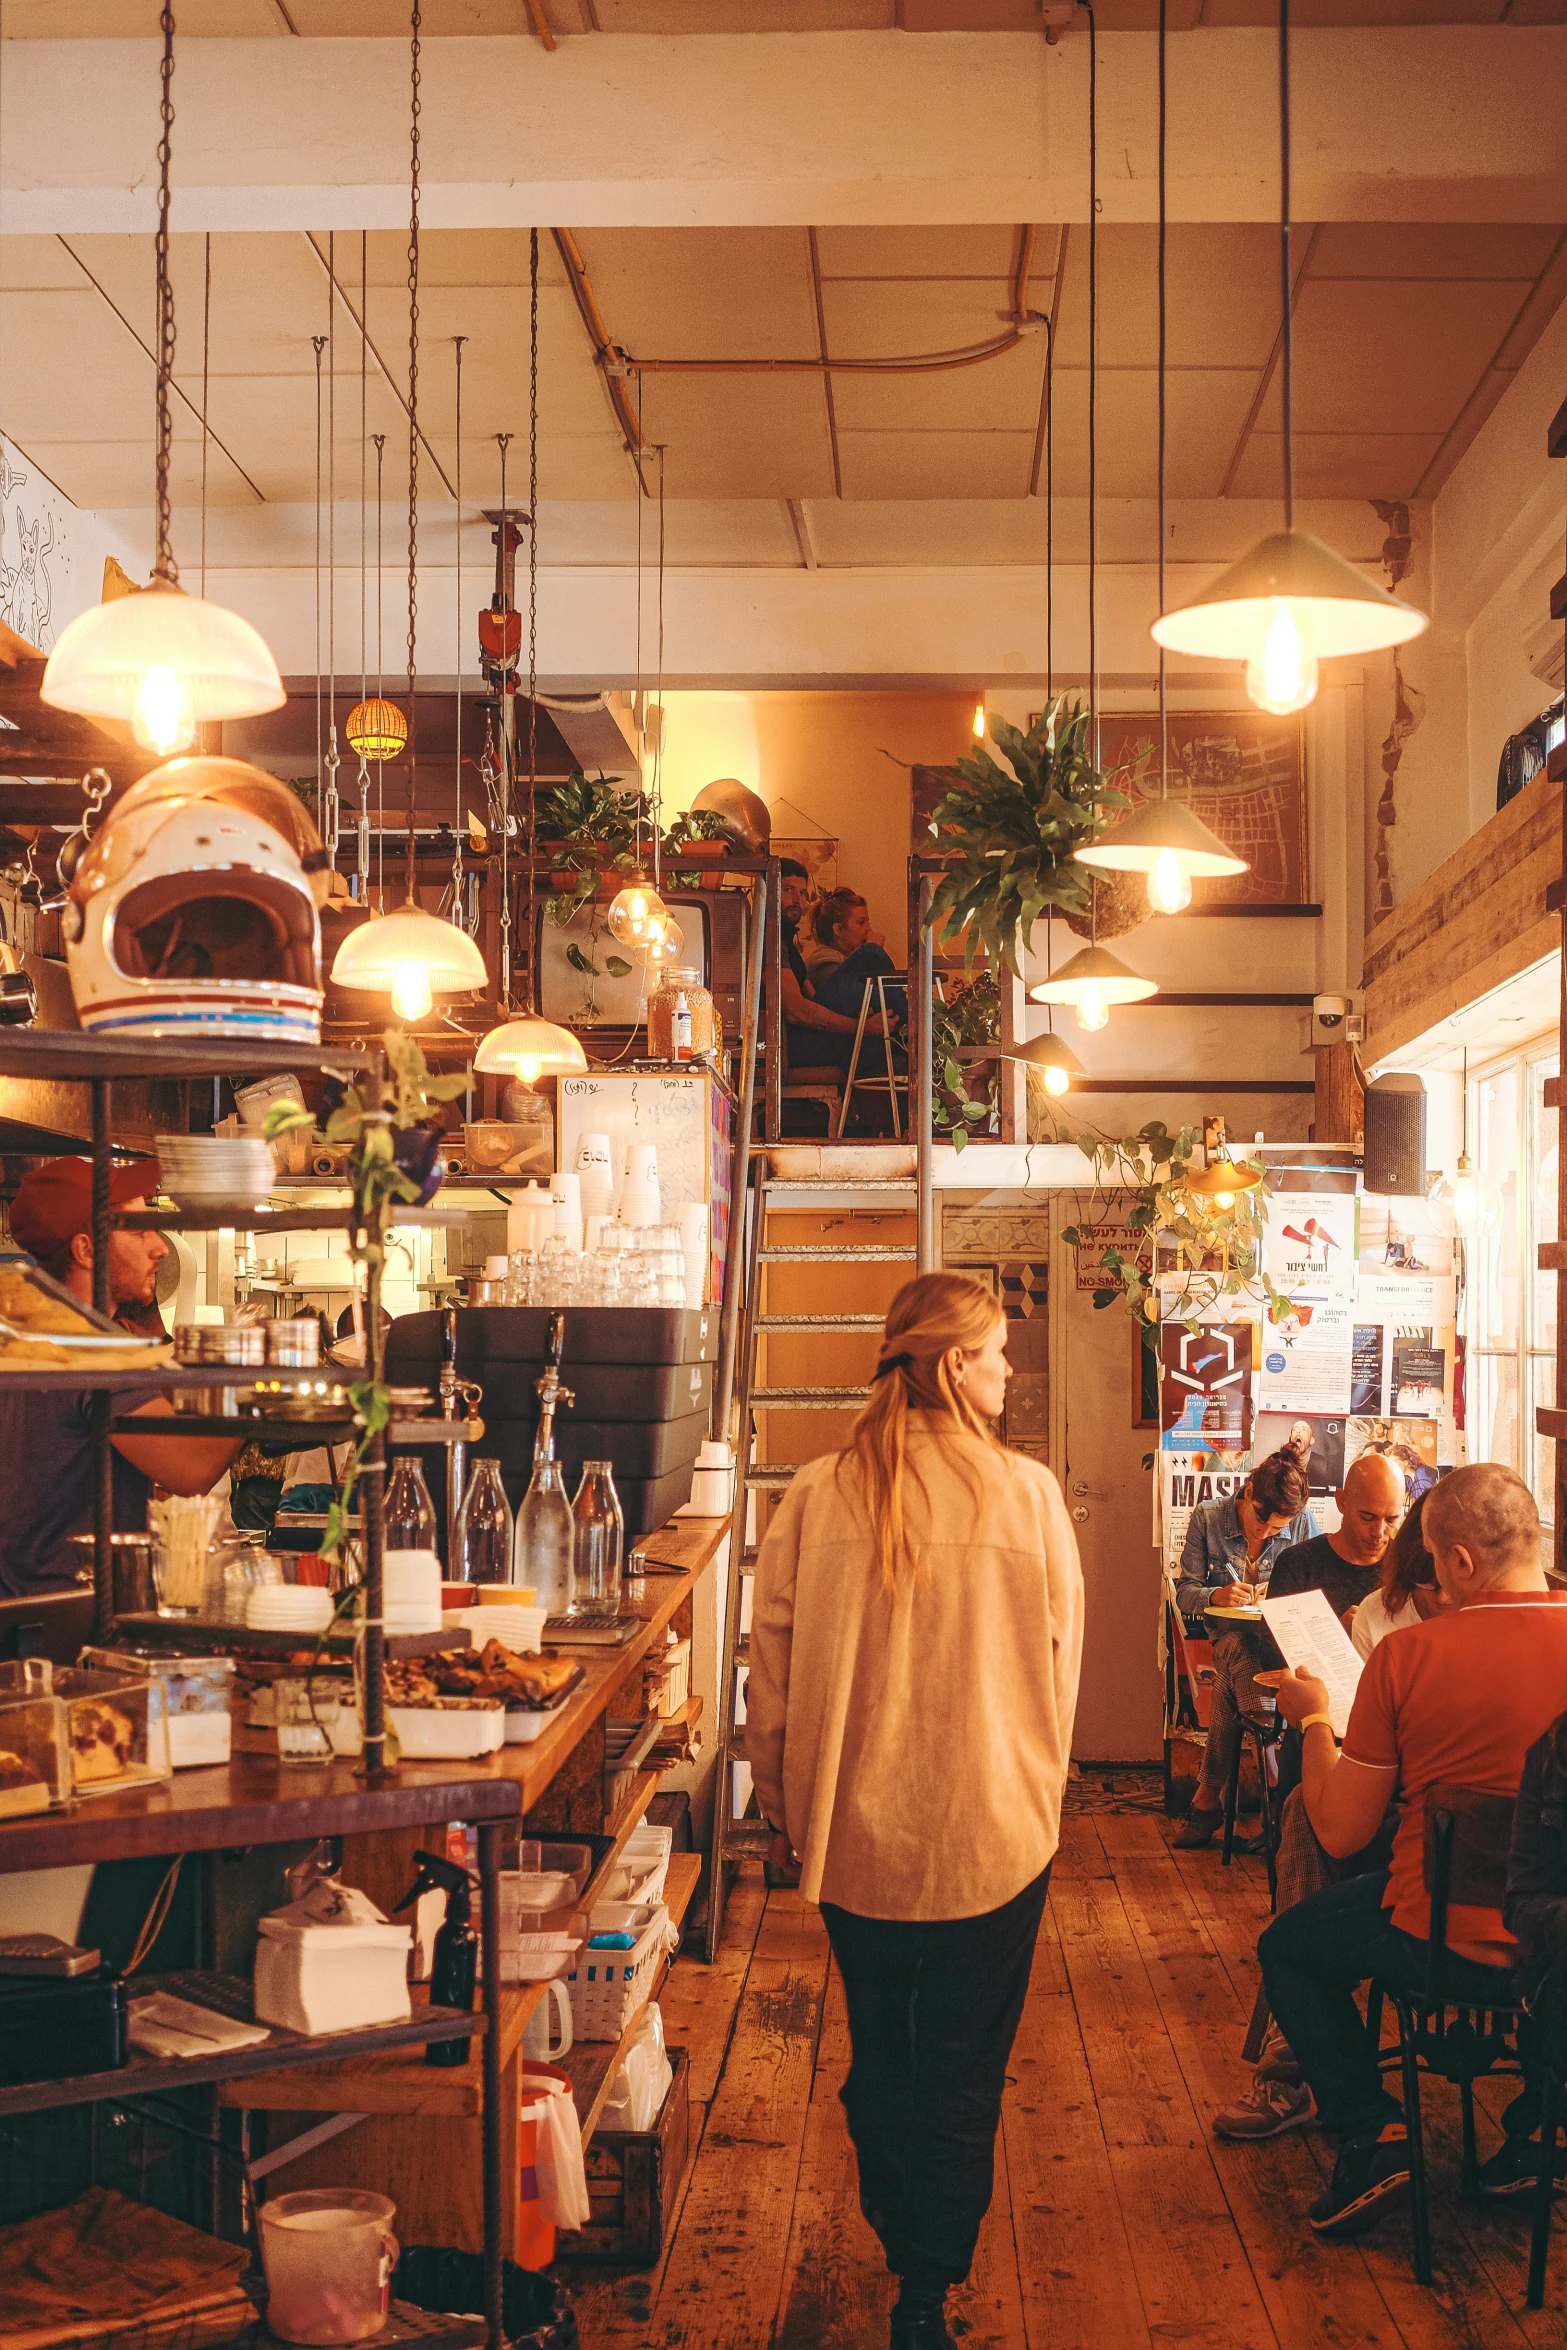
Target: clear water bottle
pixel 601 1539
pixel 483 1541
pixel 544 1546
pixel 409 1512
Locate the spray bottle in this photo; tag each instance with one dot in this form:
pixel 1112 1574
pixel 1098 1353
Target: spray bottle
pixel 456 1967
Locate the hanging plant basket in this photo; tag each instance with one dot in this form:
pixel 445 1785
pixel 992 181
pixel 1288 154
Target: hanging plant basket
pixel 1120 904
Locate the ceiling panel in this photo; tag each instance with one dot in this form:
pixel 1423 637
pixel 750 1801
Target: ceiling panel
pixel 1378 356
pixel 1337 465
pixel 742 293
pixel 1206 411
pixel 70 369
pixel 737 436
pixel 744 16
pixel 875 320
pixel 935 464
pixel 988 252
pixel 1435 249
pixel 1222 302
pixel 38 262
pixel 118 475
pixel 387 19
pixel 571 465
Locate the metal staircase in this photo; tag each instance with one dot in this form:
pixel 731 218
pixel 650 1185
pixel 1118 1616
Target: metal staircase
pixel 735 1839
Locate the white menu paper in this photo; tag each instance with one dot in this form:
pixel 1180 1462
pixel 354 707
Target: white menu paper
pixel 1311 1639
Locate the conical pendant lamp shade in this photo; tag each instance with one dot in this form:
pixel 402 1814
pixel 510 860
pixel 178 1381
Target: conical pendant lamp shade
pixel 1336 608
pixel 1160 828
pixel 1047 1052
pixel 411 956
pixel 1222 1178
pixel 1091 982
pixel 529 1048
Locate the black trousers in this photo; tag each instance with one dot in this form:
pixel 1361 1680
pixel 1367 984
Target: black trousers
pixel 1313 1956
pixel 933 2012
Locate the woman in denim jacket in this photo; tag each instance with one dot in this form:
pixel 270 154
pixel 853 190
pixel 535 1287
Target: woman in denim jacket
pixel 1230 1549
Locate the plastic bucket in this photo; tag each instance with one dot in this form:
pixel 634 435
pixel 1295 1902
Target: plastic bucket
pixel 328 2253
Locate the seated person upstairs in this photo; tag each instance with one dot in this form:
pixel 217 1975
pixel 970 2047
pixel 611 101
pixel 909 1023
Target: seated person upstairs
pixel 844 919
pixel 817 1037
pixel 1458 1699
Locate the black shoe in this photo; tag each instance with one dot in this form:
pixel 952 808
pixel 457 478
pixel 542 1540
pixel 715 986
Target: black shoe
pixel 1370 2174
pixel 1198 1831
pixel 920 2322
pixel 1511 2170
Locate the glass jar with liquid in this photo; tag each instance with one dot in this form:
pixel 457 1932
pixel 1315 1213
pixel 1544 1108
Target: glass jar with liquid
pixel 682 1019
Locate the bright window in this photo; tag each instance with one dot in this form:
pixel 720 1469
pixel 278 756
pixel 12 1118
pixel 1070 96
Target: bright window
pixel 1510 1307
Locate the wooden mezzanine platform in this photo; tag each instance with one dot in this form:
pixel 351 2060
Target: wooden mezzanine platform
pixel 1119 2222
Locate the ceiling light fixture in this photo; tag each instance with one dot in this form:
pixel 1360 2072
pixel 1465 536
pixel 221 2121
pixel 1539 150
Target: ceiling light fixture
pixel 1473 1200
pixel 1164 840
pixel 1091 982
pixel 979 721
pixel 1292 601
pixel 1054 1058
pixel 411 955
pixel 159 658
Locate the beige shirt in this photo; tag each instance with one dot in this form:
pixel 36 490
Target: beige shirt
pixel 917 1747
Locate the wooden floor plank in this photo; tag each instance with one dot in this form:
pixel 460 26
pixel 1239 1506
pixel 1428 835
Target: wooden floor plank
pixel 723 2283
pixel 1075 2266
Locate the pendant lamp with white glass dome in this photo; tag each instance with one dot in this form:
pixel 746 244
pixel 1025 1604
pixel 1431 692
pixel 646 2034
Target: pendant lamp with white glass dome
pixel 411 955
pixel 1291 602
pixel 157 658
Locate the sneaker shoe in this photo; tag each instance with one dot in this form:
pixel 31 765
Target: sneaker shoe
pixel 1269 2108
pixel 1278 2061
pixel 1198 1830
pixel 1512 2168
pixel 1370 2175
pixel 920 2323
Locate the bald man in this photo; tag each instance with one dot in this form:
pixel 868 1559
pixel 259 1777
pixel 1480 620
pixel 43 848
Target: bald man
pixel 1344 1563
pixel 1458 1699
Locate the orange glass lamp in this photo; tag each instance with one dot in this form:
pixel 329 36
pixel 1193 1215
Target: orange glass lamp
pixel 376 729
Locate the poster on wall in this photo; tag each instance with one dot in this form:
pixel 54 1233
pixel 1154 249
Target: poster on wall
pixel 1309 1254
pixel 1205 1388
pixel 1412 1444
pixel 1405 1343
pixel 1317 1438
pixel 1243 772
pixel 1405 1236
pixel 1186 1481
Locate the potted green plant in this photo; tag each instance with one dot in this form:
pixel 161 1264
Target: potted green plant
pixel 965 1094
pixel 1011 832
pixel 694 828
pixel 591 828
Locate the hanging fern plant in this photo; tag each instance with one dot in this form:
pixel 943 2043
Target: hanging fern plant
pixel 1012 831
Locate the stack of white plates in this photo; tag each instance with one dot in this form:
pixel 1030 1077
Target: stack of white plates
pixel 215 1171
pixel 411 1591
pixel 521 1629
pixel 288 1607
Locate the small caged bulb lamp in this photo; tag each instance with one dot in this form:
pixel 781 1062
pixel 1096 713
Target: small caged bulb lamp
pixel 376 729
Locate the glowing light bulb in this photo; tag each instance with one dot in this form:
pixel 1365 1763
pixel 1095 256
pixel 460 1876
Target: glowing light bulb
pixel 411 997
pixel 1056 1080
pixel 1466 1198
pixel 664 941
pixel 527 1068
pixel 1169 884
pixel 1092 1009
pixel 635 912
pixel 979 722
pixel 1224 1199
pixel 1281 675
pixel 162 716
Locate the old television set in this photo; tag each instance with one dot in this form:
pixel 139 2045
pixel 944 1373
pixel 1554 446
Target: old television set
pixel 588 982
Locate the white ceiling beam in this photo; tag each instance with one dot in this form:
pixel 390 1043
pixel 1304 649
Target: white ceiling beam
pixel 1432 124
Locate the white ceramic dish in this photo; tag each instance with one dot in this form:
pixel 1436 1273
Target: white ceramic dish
pixel 525 1723
pixel 445 1734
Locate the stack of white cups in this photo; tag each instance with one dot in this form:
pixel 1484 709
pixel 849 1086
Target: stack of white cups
pixel 693 1247
pixel 639 1198
pixel 566 1190
pixel 595 1175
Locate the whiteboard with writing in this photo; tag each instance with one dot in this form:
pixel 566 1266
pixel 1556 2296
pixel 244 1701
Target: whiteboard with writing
pixel 673 1113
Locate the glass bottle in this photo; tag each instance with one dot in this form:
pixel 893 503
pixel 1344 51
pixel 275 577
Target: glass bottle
pixel 544 1545
pixel 409 1518
pixel 682 1019
pixel 483 1542
pixel 601 1537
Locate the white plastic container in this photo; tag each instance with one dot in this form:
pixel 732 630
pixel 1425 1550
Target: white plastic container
pixel 525 1723
pixel 608 1986
pixel 331 1978
pixel 428 1733
pixel 196 1692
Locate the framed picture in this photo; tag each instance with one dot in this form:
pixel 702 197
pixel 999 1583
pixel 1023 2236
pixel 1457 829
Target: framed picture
pixel 1244 773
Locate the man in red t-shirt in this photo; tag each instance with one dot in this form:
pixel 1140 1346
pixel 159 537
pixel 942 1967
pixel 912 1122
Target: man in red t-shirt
pixel 1460 1699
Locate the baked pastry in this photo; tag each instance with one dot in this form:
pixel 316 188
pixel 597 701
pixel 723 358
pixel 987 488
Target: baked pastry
pixel 101 1740
pixel 21 1787
pixel 31 1308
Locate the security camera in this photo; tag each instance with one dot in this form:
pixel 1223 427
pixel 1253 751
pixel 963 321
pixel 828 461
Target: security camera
pixel 1329 1011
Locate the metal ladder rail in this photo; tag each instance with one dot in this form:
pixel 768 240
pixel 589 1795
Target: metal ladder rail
pixel 736 1839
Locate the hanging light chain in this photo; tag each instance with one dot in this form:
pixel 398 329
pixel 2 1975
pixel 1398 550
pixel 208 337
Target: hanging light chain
pixel 507 777
pixel 457 824
pixel 164 566
pixel 380 665
pixel 1164 716
pixel 1287 289
pixel 415 22
pixel 533 606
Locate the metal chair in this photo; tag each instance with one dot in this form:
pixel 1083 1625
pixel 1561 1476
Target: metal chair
pixel 1264 1735
pixel 1467 1834
pixel 1550 2018
pixel 890 1080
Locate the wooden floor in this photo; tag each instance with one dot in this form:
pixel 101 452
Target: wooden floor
pixel 1119 2221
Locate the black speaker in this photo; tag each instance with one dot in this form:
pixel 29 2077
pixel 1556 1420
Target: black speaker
pixel 1396 1135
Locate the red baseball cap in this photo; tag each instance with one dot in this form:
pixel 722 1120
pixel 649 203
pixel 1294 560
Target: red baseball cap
pixel 54 1202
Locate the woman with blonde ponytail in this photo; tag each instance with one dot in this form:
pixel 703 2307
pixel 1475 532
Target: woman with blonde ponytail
pixel 915 1643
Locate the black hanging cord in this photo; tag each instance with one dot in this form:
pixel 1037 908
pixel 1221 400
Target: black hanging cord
pixel 1050 503
pixel 1287 282
pixel 164 568
pixel 415 23
pixel 1164 725
pixel 206 346
pixel 457 823
pixel 533 604
pixel 380 669
pixel 318 345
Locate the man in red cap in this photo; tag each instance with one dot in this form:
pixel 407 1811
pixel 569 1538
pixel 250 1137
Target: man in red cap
pixel 46 1433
